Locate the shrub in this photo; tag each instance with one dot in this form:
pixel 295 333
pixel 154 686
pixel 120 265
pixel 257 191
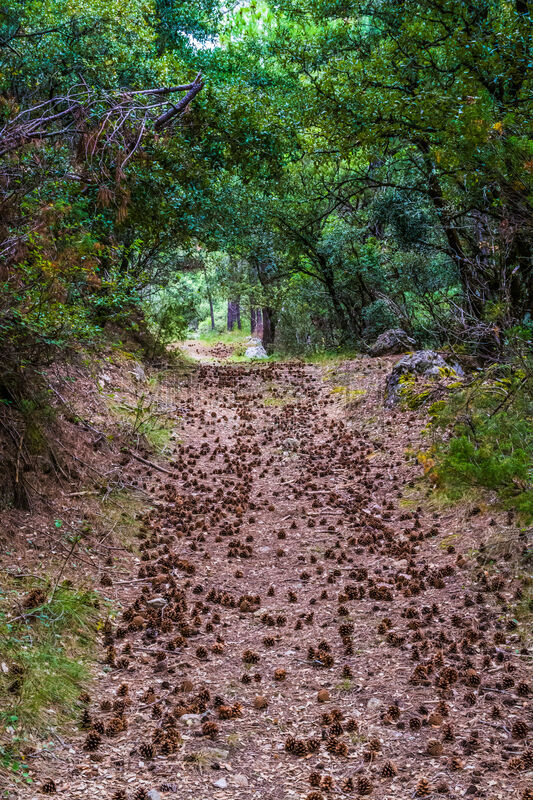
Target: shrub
pixel 486 436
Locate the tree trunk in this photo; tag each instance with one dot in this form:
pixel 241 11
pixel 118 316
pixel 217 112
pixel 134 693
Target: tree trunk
pixel 253 322
pixel 234 314
pixel 269 327
pixel 210 299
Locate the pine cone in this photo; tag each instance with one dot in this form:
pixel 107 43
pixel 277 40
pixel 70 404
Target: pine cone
pixel 434 748
pixel 147 750
pixel 423 788
pixel 98 726
pixel 389 770
pixel 520 729
pixel 315 779
pixel 394 712
pixel 210 729
pixel 120 794
pixel 93 741
pixel 49 787
pixel 116 725
pixel 290 743
pixel 225 712
pixel 447 733
pixel 141 794
pixel 300 748
pixel 249 657
pixel 364 786
pixel 85 720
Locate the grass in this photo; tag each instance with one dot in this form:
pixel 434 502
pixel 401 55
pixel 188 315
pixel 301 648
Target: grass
pixel 122 511
pixel 45 660
pixel 329 356
pixel 148 420
pixel 484 439
pixel 223 337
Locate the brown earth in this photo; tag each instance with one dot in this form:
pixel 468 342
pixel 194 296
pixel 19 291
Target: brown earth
pixel 300 622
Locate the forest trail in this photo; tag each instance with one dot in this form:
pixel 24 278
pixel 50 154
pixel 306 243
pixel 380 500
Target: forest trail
pixel 296 629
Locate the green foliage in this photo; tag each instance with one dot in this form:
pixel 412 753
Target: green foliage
pixel 46 653
pixel 349 166
pixel 490 442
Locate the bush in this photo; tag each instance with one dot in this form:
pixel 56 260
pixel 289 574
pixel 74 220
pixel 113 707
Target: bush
pixel 378 318
pixel 486 436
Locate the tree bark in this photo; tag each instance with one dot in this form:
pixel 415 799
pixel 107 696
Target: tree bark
pixel 269 327
pixel 234 314
pixel 210 299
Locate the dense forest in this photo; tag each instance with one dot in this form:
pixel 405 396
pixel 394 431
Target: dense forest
pixel 347 167
pixel 309 177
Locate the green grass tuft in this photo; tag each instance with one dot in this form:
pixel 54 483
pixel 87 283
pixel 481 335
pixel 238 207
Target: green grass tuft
pixel 46 657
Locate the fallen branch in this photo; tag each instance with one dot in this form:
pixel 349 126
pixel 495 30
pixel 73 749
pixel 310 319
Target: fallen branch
pixel 148 463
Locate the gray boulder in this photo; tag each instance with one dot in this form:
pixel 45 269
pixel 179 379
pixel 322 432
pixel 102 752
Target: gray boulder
pixel 391 342
pixel 256 351
pixel 422 362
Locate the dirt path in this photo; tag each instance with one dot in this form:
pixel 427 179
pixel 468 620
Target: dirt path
pixel 294 630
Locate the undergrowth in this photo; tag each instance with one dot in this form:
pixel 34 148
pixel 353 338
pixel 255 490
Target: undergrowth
pixel 46 644
pixel 484 437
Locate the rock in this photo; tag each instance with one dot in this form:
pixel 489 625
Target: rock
pixel 221 783
pixel 323 696
pixel 423 362
pixel 215 753
pixel 240 780
pixel 253 341
pixel 190 718
pixel 153 794
pixel 392 341
pixel 290 444
pixel 373 703
pixel 156 602
pixel 139 373
pixel 260 702
pixel 256 351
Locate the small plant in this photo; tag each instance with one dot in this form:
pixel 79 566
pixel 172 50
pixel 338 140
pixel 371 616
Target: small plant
pixel 45 652
pixel 13 763
pixel 484 437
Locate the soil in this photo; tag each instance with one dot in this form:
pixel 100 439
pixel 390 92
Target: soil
pixel 299 621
